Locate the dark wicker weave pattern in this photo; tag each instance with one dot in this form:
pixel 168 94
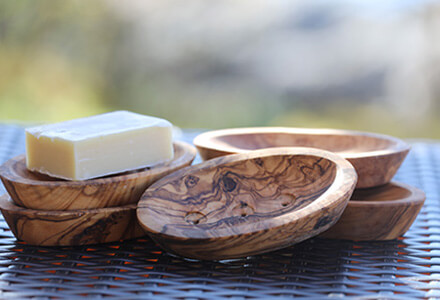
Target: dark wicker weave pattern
pixel 138 269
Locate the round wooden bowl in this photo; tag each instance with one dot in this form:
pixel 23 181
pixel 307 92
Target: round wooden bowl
pixel 70 227
pixel 38 191
pixel 248 203
pixel 375 157
pixel 381 213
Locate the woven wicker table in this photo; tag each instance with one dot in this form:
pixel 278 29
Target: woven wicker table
pixel 318 268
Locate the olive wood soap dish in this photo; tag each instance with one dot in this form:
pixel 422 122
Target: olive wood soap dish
pixel 247 203
pixel 70 227
pixel 375 157
pixel 381 213
pixel 38 191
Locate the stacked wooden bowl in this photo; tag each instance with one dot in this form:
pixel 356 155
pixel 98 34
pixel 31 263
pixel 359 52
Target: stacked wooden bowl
pixel 378 209
pixel 42 210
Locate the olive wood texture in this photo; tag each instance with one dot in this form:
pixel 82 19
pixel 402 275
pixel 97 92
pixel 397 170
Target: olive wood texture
pixel 38 191
pixel 248 203
pixel 70 227
pixel 375 157
pixel 381 213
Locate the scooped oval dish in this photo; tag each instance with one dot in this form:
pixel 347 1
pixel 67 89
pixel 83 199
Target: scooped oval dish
pixel 375 157
pixel 70 227
pixel 38 191
pixel 381 213
pixel 248 203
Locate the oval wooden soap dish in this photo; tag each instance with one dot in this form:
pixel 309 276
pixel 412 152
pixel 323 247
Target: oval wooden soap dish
pixel 71 227
pixel 375 157
pixel 381 213
pixel 247 203
pixel 38 191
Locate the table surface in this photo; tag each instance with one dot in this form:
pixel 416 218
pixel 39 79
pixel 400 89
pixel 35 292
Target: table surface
pixel 138 269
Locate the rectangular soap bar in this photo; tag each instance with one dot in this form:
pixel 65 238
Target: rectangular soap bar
pixel 99 145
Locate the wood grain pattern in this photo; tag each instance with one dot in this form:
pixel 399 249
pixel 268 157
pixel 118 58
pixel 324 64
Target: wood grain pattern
pixel 381 213
pixel 70 228
pixel 375 157
pixel 38 191
pixel 248 203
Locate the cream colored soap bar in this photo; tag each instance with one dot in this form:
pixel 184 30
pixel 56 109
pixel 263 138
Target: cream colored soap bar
pixel 97 146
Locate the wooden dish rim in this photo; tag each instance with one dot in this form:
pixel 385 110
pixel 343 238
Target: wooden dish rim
pixel 344 172
pixel 204 140
pixel 189 152
pixel 416 196
pixel 6 203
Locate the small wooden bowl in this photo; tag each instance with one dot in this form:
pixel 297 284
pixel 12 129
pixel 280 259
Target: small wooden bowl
pixel 72 227
pixel 247 204
pixel 38 191
pixel 375 157
pixel 381 213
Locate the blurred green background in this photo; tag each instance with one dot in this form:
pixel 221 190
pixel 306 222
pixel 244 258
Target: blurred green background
pixel 370 65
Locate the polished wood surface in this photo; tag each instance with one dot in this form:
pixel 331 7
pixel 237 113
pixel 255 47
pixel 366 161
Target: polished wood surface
pixel 375 157
pixel 38 191
pixel 381 213
pixel 248 203
pixel 72 227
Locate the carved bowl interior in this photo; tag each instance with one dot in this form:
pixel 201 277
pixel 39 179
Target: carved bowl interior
pixel 391 192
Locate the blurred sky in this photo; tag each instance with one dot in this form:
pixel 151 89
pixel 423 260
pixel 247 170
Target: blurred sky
pixel 370 65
